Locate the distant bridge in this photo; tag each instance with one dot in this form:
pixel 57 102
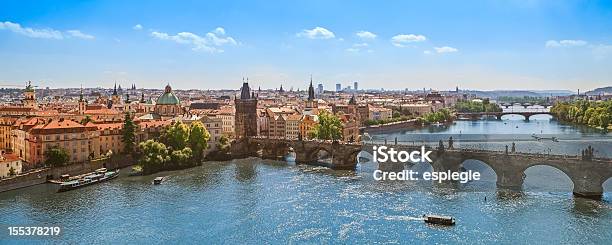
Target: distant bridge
pixel 587 175
pixel 524 105
pixel 498 115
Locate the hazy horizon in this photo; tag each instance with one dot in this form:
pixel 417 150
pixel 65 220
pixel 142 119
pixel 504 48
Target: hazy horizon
pixel 480 45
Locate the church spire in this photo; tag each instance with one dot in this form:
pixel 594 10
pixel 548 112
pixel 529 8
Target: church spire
pixel 81 95
pixel 311 93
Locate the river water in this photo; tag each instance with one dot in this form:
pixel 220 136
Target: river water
pixel 257 201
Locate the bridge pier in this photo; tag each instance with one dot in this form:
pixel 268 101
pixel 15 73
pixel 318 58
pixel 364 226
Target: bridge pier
pixel 587 188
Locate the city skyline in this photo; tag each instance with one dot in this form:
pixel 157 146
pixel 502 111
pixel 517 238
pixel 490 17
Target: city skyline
pixel 211 45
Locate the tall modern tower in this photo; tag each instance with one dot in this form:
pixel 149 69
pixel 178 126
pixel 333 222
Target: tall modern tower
pixel 338 87
pixel 356 85
pixel 320 88
pixel 246 112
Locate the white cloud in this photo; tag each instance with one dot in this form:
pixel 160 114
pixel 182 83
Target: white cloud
pixel 29 32
pixel 317 33
pixel 46 33
pixel 427 52
pixel 358 47
pixel 403 39
pixel 79 34
pixel 565 43
pixel 445 49
pixel 211 42
pixel 365 35
pixel 137 27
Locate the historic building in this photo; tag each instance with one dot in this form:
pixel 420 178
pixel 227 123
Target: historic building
pixel 29 100
pixel 246 113
pixel 168 104
pixel 307 125
pixel 81 142
pixel 9 164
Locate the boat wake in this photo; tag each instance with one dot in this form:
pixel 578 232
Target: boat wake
pixel 403 218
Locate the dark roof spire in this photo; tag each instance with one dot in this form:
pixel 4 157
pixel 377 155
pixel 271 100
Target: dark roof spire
pixel 245 90
pixel 311 93
pixel 352 101
pixel 81 95
pixel 115 89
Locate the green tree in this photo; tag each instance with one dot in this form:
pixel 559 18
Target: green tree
pixel 154 156
pixel 198 139
pixel 176 135
pixel 396 114
pixel 181 158
pixel 12 171
pixel 604 120
pixel 56 156
pixel 86 120
pixel 223 143
pixel 128 134
pixel 328 128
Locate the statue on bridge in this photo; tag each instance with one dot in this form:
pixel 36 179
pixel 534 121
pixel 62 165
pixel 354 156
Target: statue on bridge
pixel 441 146
pixel 450 143
pixel 513 147
pixel 588 153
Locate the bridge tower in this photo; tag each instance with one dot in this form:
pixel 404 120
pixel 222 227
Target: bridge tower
pixel 246 112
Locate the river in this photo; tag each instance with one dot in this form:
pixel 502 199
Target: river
pixel 253 201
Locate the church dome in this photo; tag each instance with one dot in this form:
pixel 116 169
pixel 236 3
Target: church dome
pixel 168 98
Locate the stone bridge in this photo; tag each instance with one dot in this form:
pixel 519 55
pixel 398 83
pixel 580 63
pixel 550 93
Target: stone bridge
pixel 587 176
pixel 524 105
pixel 342 155
pixel 498 115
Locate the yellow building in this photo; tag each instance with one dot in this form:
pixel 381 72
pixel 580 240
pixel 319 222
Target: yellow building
pixel 307 124
pixel 292 129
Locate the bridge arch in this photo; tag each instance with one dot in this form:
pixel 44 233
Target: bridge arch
pixel 314 154
pixel 606 185
pixel 487 171
pixel 354 155
pixel 558 176
pixel 538 113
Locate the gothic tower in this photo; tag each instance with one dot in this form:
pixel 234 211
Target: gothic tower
pixel 311 102
pixel 246 112
pixel 82 103
pixel 115 97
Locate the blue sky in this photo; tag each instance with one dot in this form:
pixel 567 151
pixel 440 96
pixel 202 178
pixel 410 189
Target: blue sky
pixel 505 44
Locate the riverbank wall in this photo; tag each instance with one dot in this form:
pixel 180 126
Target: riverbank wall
pixel 395 126
pixel 41 176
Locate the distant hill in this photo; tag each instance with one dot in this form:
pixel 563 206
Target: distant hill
pixel 604 90
pixel 494 94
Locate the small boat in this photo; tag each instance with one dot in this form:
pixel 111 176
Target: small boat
pixel 439 220
pixel 158 180
pixel 99 176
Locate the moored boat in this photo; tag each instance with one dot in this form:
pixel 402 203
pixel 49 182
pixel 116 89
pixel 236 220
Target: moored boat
pixel 439 220
pixel 100 175
pixel 158 180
